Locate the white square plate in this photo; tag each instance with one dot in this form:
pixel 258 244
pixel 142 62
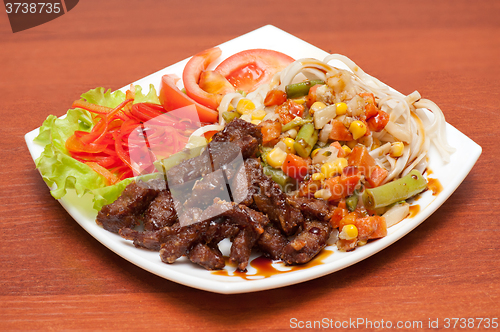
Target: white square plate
pixel 450 175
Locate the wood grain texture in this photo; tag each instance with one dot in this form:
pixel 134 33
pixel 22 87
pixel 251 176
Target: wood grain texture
pixel 55 276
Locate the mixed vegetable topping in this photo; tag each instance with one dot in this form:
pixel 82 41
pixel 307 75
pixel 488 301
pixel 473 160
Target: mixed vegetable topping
pixel 329 134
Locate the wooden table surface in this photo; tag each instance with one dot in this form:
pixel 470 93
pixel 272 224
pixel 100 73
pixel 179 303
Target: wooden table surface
pixel 56 276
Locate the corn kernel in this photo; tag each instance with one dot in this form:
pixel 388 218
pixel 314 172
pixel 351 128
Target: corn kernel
pixel 331 168
pixel 347 149
pixel 289 145
pixel 316 107
pixel 327 170
pixel 256 122
pixel 341 108
pixel 349 232
pixel 300 101
pixel 361 243
pixel 318 176
pixel 276 157
pixel 230 107
pixel 351 144
pixel 258 114
pixel 245 106
pixel 357 129
pixel 323 194
pixel 340 163
pixel 315 152
pixel 397 149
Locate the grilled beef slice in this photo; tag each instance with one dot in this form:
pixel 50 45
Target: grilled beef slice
pixel 127 210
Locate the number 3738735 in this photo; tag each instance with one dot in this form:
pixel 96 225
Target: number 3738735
pixel 33 7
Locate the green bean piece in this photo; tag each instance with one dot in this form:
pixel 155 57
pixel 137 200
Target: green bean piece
pixel 278 176
pixel 297 122
pixel 297 90
pixel 352 202
pixel 395 191
pixel 263 152
pixel 305 140
pixel 229 116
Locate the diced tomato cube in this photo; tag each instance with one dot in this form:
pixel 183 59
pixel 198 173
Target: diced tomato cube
pixel 295 166
pixel 275 97
pixel 271 130
pixel 371 227
pixel 311 96
pixel 341 152
pixel 349 179
pixel 308 188
pixel 289 110
pixel 340 132
pixel 361 158
pixel 377 176
pixel 379 121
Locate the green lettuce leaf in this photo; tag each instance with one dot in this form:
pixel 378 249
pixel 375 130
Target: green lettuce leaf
pixel 151 97
pixel 59 170
pixel 99 96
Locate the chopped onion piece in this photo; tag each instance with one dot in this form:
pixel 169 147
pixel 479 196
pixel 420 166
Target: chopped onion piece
pixel 396 213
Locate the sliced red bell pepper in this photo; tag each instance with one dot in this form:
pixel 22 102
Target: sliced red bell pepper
pixel 108 176
pixel 91 107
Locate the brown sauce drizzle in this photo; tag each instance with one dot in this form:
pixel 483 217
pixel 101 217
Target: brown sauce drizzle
pixel 265 269
pixel 414 209
pixel 435 186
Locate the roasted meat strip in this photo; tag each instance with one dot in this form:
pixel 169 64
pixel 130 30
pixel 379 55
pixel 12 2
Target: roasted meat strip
pixel 249 223
pixel 207 255
pixel 313 208
pixel 272 242
pixel 127 210
pixel 161 212
pixel 265 195
pixel 151 240
pixel 238 137
pixel 307 243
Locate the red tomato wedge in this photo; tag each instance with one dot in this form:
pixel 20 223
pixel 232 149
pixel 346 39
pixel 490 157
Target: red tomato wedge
pixel 172 98
pixel 191 78
pixel 248 69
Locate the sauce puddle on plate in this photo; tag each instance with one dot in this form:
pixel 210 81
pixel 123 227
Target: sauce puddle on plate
pixel 414 209
pixel 435 186
pixel 265 269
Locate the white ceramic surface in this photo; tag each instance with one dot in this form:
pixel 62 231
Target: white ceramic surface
pixel 450 175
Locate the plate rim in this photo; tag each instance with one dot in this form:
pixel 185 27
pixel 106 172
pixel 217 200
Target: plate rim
pixel 281 280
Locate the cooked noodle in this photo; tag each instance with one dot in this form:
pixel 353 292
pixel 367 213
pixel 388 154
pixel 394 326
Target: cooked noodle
pixel 408 121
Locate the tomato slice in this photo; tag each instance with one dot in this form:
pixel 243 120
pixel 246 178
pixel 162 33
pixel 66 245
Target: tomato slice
pixel 172 98
pixel 248 69
pixel 191 77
